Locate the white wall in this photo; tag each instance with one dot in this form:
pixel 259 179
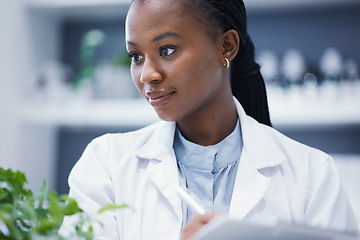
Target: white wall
pixel 14 66
pixel 26 42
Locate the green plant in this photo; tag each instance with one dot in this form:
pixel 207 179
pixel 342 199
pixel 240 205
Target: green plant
pixel 25 216
pixel 122 60
pixel 91 40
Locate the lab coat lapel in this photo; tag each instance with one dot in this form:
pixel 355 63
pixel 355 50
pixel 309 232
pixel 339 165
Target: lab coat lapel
pixel 259 151
pixel 249 188
pixel 162 169
pixel 165 176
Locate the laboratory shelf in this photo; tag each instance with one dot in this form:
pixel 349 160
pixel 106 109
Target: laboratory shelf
pixel 89 113
pixel 251 4
pixel 117 8
pixel 74 3
pixel 288 108
pixel 333 105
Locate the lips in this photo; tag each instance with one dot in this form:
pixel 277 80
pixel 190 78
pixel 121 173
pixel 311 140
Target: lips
pixel 159 97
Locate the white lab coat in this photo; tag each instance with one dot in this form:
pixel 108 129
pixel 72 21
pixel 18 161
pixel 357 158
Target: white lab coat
pixel 277 178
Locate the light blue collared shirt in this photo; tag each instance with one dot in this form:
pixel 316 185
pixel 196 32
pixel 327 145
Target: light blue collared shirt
pixel 209 171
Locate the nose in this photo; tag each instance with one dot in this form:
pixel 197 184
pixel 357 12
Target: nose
pixel 149 73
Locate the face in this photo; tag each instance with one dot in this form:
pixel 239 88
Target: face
pixel 176 65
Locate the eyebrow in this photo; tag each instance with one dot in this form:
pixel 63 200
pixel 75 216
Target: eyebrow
pixel 166 35
pixel 158 38
pixel 131 43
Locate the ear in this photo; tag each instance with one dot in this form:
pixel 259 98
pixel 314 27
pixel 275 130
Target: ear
pixel 230 44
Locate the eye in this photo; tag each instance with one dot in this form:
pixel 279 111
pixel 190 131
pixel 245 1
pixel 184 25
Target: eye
pixel 135 57
pixel 166 51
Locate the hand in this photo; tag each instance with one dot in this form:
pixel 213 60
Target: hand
pixel 197 222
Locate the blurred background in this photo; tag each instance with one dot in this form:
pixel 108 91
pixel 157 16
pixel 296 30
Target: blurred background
pixel 64 76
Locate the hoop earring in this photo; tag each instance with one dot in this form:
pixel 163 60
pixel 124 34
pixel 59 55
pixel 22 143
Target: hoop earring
pixel 227 64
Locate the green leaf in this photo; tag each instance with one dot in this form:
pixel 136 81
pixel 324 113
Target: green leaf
pixel 110 207
pixel 70 207
pixel 10 223
pixel 4 193
pixel 3 237
pixel 13 185
pixel 42 194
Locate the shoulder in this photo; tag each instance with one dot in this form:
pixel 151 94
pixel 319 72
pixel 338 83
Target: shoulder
pixel 269 147
pixel 289 144
pixel 126 140
pixel 105 146
pixel 298 155
pixel 312 184
pixel 103 152
pixel 305 166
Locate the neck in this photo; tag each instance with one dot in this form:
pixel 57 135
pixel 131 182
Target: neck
pixel 210 127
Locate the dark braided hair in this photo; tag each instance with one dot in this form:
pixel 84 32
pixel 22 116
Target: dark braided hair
pixel 247 83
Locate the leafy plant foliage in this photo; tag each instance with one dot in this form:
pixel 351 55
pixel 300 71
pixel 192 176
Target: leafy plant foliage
pixel 24 216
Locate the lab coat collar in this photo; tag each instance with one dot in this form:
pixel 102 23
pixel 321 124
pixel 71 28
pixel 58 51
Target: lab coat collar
pixel 160 143
pixel 258 143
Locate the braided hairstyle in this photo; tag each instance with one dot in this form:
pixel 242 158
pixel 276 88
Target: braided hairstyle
pixel 247 83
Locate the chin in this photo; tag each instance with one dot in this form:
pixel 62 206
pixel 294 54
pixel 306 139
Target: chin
pixel 167 116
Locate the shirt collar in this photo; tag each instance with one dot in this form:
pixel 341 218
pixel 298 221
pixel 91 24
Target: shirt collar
pixel 209 157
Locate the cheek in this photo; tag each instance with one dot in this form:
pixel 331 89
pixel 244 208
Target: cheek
pixel 135 75
pixel 197 70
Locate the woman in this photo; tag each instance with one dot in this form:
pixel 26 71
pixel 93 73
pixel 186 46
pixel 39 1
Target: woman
pixel 220 147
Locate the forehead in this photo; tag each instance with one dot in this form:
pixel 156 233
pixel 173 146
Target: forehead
pixel 156 16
